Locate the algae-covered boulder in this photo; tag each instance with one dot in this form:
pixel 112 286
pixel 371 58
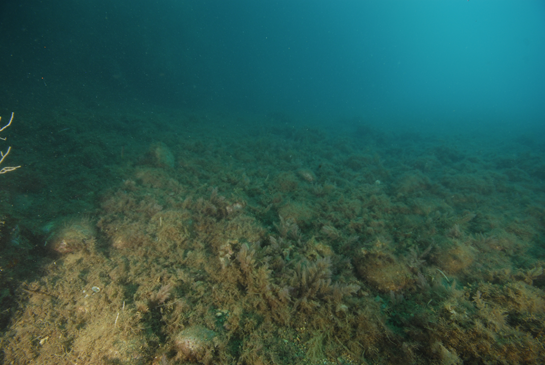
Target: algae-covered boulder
pixel 72 235
pixel 195 343
pixel 159 155
pixel 383 272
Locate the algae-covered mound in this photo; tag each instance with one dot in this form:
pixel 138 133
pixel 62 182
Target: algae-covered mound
pixel 195 344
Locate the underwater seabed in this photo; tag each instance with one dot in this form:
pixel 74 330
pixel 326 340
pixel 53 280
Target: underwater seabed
pixel 276 244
